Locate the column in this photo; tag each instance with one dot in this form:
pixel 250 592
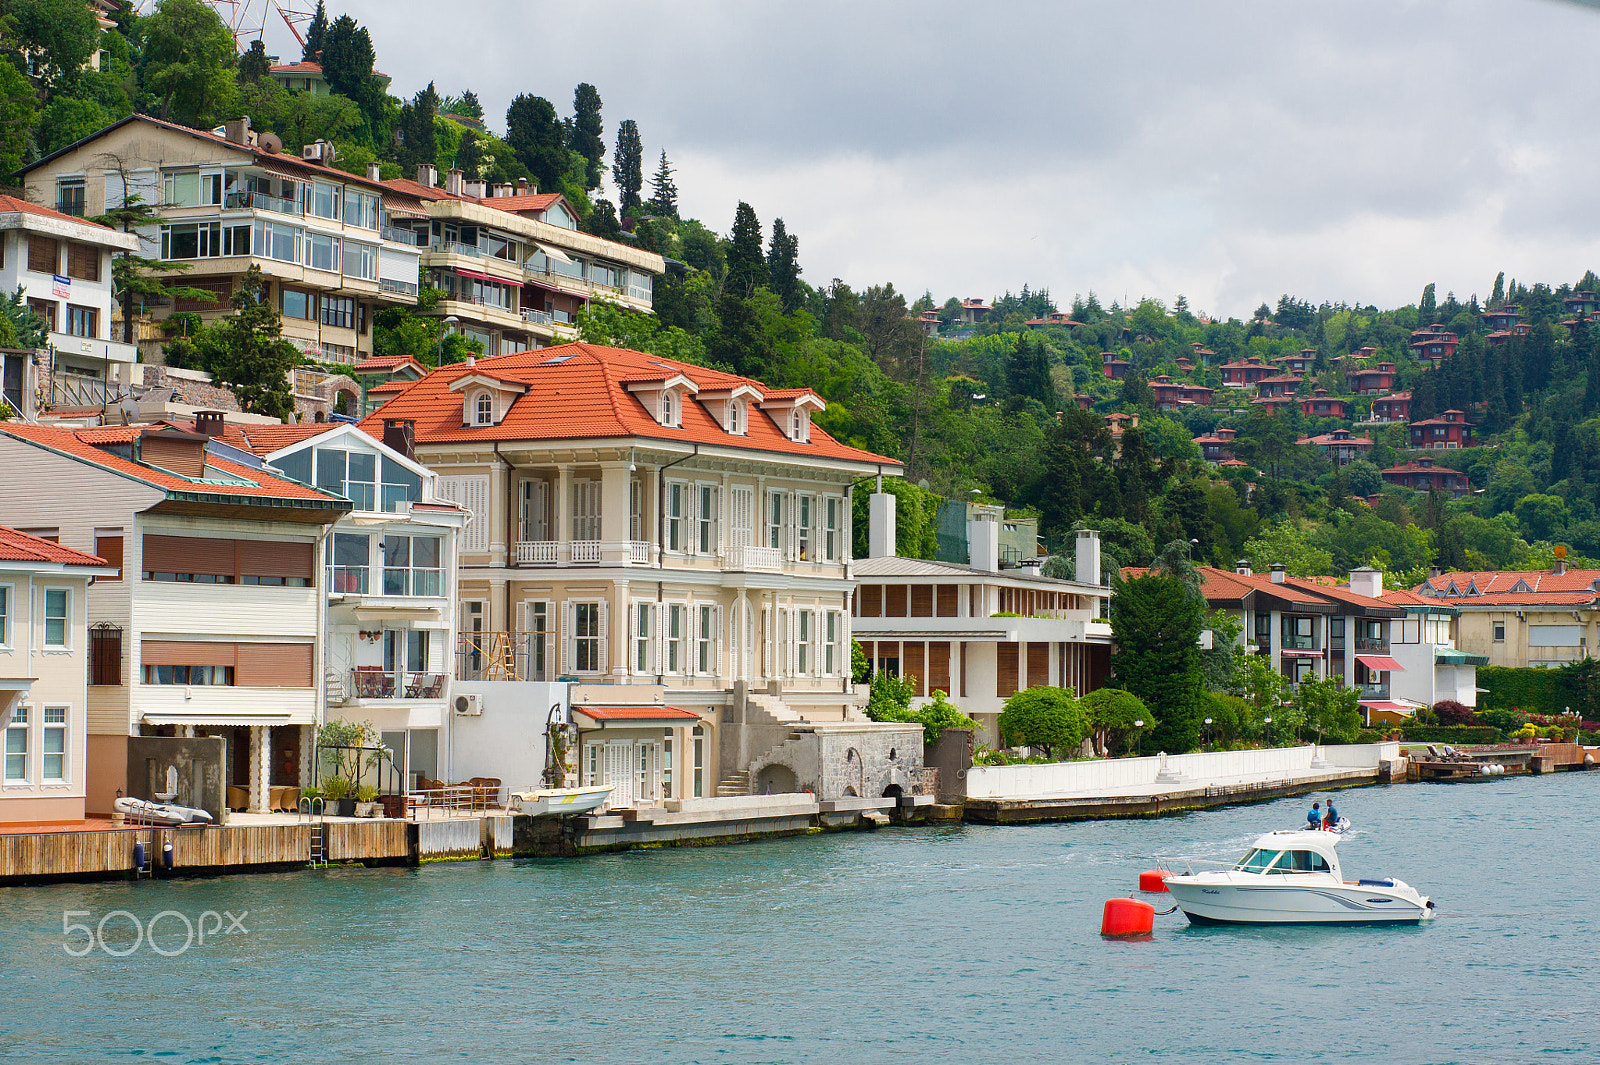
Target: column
pixel 308 755
pixel 260 768
pixel 499 619
pixel 614 513
pixel 561 531
pixel 621 644
pixel 499 496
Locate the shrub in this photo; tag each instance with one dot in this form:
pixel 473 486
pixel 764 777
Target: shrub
pixel 1048 718
pixel 1450 712
pixel 1452 734
pixel 1232 718
pixel 1507 721
pixel 939 714
pixel 1110 714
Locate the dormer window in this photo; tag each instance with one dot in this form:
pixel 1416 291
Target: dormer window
pixel 799 425
pixel 669 409
pixel 486 399
pixel 483 410
pixel 736 417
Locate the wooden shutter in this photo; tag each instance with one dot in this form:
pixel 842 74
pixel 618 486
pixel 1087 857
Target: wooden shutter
pixel 605 634
pixel 83 262
pixel 186 458
pixel 869 601
pixel 895 600
pixel 567 619
pixel 1005 678
pixel 948 601
pixel 188 554
pixel 1038 664
pixel 939 668
pixel 110 549
pixel 190 652
pixel 922 600
pixel 44 256
pixel 274 665
pixel 105 655
pixel 275 558
pixel 914 664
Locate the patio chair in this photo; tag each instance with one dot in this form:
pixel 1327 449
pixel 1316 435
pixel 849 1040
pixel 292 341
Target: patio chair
pixel 373 683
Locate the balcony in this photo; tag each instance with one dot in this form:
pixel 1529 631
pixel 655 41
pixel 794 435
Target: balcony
pixel 582 552
pixel 451 247
pixel 371 682
pixel 398 236
pixel 1377 645
pixel 1300 643
pixel 399 288
pixel 1374 691
pixel 538 317
pixel 753 560
pixel 347 580
pixel 260 201
pixel 93 347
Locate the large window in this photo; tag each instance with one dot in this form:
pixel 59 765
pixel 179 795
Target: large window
pixel 411 565
pixel 54 769
pixel 706 640
pixel 17 747
pixel 677 618
pixel 273 240
pixel 349 556
pixel 640 284
pixel 322 200
pixel 400 485
pixel 586 637
pixel 190 188
pixel 82 321
pixel 322 252
pixel 195 676
pixel 339 312
pixel 361 260
pixel 360 209
pixel 57 617
pixel 298 304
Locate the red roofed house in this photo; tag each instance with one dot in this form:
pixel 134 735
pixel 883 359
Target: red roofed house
pixel 1339 446
pixel 1502 317
pixel 1299 363
pixel 1115 369
pixel 1447 432
pixel 1522 617
pixel 376 373
pixel 1423 475
pixel 1391 408
pixel 1372 381
pixel 1244 373
pixel 1218 445
pixel 212 626
pixel 1062 318
pixel 663 532
pixel 1284 384
pixel 974 310
pixel 1583 302
pixel 308 77
pixel 1433 343
pixel 1165 391
pixel 1322 405
pixel 44 660
pixel 1196 394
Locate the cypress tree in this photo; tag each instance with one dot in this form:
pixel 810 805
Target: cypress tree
pixel 627 165
pixel 664 194
pixel 587 132
pixel 747 268
pixel 535 134
pixel 783 266
pixel 417 144
pixel 1156 620
pixel 314 35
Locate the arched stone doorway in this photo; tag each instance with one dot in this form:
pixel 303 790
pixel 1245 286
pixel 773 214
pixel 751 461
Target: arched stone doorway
pixel 776 780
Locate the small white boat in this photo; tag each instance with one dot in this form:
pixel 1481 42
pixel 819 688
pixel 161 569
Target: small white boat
pixel 145 812
pixel 1291 877
pixel 559 802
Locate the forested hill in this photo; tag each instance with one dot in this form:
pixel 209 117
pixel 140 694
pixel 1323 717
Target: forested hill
pixel 1012 405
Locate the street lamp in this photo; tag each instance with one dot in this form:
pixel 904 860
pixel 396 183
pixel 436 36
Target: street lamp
pixel 1208 733
pixel 1268 730
pixel 1138 746
pixel 449 321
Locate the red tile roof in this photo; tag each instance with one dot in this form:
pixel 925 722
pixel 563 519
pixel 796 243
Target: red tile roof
pixel 12 203
pixel 306 68
pixel 388 387
pixel 636 713
pixel 1493 582
pixel 262 438
pixel 18 546
pixel 582 396
pixel 80 444
pixel 386 363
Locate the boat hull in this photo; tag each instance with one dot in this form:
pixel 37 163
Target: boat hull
pixel 1217 902
pixel 559 802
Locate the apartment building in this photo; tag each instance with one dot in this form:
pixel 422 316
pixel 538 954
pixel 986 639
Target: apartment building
pixel 651 530
pixel 211 625
pixel 1543 618
pixel 44 666
pixel 514 268
pixel 62 264
pixel 323 237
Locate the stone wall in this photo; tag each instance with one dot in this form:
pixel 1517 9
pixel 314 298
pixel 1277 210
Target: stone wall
pixel 194 388
pixel 198 761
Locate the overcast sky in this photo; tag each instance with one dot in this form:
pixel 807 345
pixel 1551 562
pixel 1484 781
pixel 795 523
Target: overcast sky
pixel 1228 151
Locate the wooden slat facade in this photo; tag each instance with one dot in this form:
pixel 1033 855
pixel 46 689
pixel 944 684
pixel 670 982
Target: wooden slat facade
pixel 233 845
pixel 922 600
pixel 64 853
pixel 1005 677
pixel 913 664
pixel 949 600
pixel 1038 664
pixel 939 668
pixel 354 841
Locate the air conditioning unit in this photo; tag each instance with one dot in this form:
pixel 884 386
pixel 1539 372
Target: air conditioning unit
pixel 469 704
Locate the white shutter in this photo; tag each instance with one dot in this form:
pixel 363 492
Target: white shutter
pixel 472 495
pixel 565 636
pixel 605 636
pixel 768 651
pixel 791 506
pixel 661 613
pixel 739 505
pixel 718 522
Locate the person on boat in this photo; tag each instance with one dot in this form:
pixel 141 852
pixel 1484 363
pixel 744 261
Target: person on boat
pixel 1314 816
pixel 1331 821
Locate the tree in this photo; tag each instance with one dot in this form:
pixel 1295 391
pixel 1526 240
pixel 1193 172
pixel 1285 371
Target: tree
pixel 664 192
pixel 189 59
pixel 1427 307
pixel 1269 692
pixel 1136 391
pixel 1288 546
pixel 783 266
pixel 347 59
pixel 136 279
pixel 246 351
pixel 19 326
pixel 57 37
pixel 1223 665
pixel 1028 372
pixel 535 134
pixel 1498 295
pixel 1156 622
pixel 315 32
pixel 627 166
pixel 418 140
pixel 1048 718
pixel 255 64
pixel 1111 713
pixel 747 268
pixel 1331 710
pixel 587 137
pixel 17 117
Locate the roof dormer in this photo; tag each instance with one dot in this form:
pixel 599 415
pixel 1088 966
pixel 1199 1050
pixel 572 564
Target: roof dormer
pixel 791 409
pixel 664 398
pixel 731 407
pixel 485 398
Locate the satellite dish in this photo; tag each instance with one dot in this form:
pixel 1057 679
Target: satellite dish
pixel 270 143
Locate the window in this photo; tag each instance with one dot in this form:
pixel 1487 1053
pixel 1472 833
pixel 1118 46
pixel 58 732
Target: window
pixel 181 189
pixel 44 255
pixel 322 252
pixel 698 736
pixel 639 284
pixel 405 651
pixel 82 321
pixel 46 310
pixel 1499 632
pixel 483 410
pixel 69 196
pixel 803 529
pixel 352 474
pixel 677 618
pixel 195 676
pixel 706 519
pixel 17 747
pixel 775 520
pixel 83 262
pixel 273 240
pixel 339 312
pixel 360 209
pixel 109 547
pixel 323 200
pixel 55 744
pixel 641 638
pixel 5 615
pixel 411 565
pixel 586 638
pixel 802 643
pixel 1263 629
pixel 57 613
pixel 297 304
pixel 348 557
pixel 830 530
pixel 105 654
pixel 706 641
pixel 735 416
pixel 669 409
pixel 675 517
pixel 831 644
pixel 361 260
pixel 400 485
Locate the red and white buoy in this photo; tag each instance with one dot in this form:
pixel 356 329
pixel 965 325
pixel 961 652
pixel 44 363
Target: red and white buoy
pixel 1153 880
pixel 1127 917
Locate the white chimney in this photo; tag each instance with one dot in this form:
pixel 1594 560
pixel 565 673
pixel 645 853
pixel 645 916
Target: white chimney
pixel 880 525
pixel 1367 581
pixel 1278 573
pixel 983 545
pixel 478 190
pixel 374 172
pixel 1242 568
pixel 454 182
pixel 427 174
pixel 1088 561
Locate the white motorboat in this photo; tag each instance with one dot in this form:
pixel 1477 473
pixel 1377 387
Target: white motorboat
pixel 559 802
pixel 145 812
pixel 1291 877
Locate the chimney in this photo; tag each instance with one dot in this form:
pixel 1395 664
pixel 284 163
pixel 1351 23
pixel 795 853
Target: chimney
pixel 427 174
pixel 1434 571
pixel 472 360
pixel 983 545
pixel 401 435
pixel 1242 568
pixel 504 189
pixel 237 131
pixel 1278 573
pixel 374 172
pixel 1367 581
pixel 208 422
pixel 1087 570
pixel 522 186
pixel 478 190
pixel 454 182
pixel 880 525
pixel 1560 567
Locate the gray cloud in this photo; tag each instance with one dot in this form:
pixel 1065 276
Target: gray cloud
pixel 1228 151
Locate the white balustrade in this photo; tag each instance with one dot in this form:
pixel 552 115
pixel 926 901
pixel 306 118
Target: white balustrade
pixel 745 559
pixel 585 550
pixel 537 552
pixel 639 552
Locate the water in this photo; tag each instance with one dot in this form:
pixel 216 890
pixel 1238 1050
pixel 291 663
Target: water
pixel 944 944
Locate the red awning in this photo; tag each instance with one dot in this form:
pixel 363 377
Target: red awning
pixel 1381 663
pixel 1300 653
pixel 483 277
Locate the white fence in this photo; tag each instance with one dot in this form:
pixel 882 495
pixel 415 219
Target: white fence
pixel 1111 774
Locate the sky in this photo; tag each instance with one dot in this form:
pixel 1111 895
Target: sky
pixel 1231 152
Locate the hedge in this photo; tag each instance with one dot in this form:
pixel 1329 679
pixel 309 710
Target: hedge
pixel 1452 734
pixel 1540 691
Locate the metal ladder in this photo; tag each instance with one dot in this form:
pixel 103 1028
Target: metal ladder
pixel 312 808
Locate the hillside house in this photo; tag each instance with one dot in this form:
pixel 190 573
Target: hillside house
pixel 1322 405
pixel 1447 432
pixel 1424 475
pixel 1374 380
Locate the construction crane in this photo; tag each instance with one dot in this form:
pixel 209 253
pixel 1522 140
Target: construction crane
pixel 247 19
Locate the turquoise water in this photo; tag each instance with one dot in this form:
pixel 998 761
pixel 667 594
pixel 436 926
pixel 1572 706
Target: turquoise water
pixel 945 944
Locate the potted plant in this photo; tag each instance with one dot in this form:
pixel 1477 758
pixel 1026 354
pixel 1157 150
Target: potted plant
pixel 366 801
pixel 336 791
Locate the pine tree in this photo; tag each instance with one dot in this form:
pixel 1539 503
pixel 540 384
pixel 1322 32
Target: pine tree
pixel 664 194
pixel 1498 295
pixel 587 132
pixel 627 165
pixel 783 266
pixel 347 56
pixel 315 34
pixel 254 64
pixel 747 269
pixel 1028 373
pixel 417 144
pixel 469 107
pixel 135 278
pixel 535 134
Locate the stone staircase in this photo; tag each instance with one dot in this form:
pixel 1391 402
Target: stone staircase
pixel 736 784
pixel 775 708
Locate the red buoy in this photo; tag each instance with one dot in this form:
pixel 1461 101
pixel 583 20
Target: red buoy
pixel 1153 880
pixel 1127 917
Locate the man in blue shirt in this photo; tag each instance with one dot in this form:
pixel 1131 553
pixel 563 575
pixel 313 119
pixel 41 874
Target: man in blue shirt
pixel 1314 816
pixel 1331 821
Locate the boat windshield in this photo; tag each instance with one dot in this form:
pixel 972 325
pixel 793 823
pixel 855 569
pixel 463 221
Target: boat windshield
pixel 1257 861
pixel 1300 862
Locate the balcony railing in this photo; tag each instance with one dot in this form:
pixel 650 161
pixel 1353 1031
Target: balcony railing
pixel 347 580
pixel 403 288
pixel 538 552
pixel 398 236
pixel 451 247
pixel 585 550
pixel 374 683
pixel 747 559
pixel 1299 643
pixel 580 552
pixel 1374 691
pixel 263 202
pixel 79 390
pixel 1374 644
pixel 538 317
